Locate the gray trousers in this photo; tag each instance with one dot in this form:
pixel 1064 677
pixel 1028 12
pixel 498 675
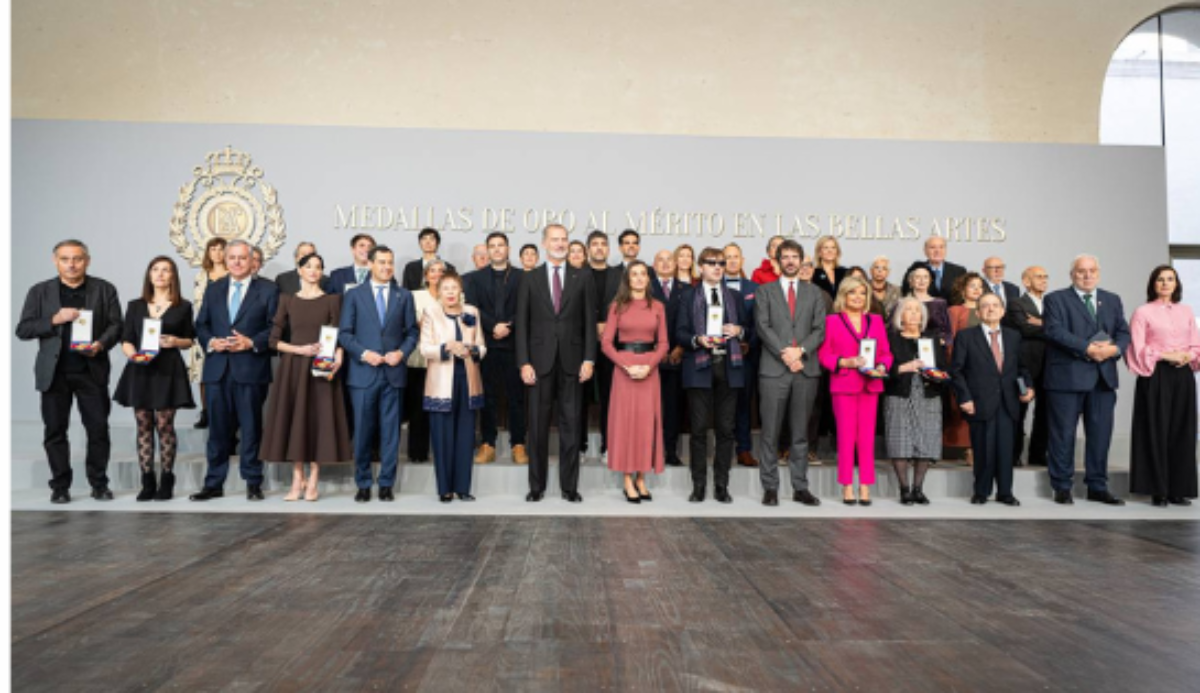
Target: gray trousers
pixel 793 394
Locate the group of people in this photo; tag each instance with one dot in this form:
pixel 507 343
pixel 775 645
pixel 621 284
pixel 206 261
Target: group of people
pixel 948 360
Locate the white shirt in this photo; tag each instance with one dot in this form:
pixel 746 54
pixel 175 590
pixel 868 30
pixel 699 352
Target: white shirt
pixel 784 283
pixel 1094 293
pixel 708 293
pixel 987 335
pixel 1037 301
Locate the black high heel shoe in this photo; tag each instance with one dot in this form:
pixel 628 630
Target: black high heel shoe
pixel 643 495
pixel 631 499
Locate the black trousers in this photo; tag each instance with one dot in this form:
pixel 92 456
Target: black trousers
pixel 601 384
pixel 671 388
pixel 1040 435
pixel 94 407
pixel 502 377
pixel 418 418
pixel 715 408
pixel 992 442
pixel 559 391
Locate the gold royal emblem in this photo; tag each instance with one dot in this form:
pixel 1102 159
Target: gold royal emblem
pixel 227 198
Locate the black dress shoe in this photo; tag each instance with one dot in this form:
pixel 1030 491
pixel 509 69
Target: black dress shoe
pixel 918 496
pixel 771 498
pixel 254 492
pixel 1178 500
pixel 674 462
pixel 202 420
pixel 572 497
pixel 445 499
pixel 1159 501
pixel 1008 500
pixel 207 493
pixel 363 495
pixel 385 494
pixel 697 495
pixel 978 499
pixel 1104 497
pixel 722 495
pixel 465 497
pixel 534 496
pixel 1063 498
pixel 906 497
pixel 101 493
pixel 806 497
pixel 60 496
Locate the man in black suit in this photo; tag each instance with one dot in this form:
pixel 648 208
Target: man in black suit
pixel 414 272
pixel 234 327
pixel 604 283
pixel 289 281
pixel 493 290
pixel 944 273
pixel 665 288
pixel 66 371
pixel 1025 316
pixel 993 280
pixel 986 368
pixel 556 350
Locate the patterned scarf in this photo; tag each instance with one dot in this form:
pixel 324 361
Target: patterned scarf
pixel 700 319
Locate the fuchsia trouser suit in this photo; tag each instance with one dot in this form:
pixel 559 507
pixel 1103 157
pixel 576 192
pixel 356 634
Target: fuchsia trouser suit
pixel 855 396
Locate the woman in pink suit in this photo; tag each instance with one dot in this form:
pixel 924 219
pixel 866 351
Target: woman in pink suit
pixel 635 340
pixel 855 394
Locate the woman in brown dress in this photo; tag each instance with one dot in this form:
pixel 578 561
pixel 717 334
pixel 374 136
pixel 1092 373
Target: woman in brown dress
pixel 306 420
pixel 964 298
pixel 635 340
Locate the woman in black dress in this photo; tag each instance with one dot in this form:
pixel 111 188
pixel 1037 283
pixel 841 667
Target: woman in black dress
pixel 155 383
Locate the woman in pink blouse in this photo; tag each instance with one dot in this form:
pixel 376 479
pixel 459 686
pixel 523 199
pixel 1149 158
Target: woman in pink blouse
pixel 855 394
pixel 1164 353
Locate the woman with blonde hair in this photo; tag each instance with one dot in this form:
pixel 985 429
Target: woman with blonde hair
pixel 685 264
pixel 212 268
pixel 828 273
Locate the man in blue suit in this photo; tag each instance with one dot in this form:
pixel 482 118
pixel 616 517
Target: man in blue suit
pixel 378 331
pixel 665 288
pixel 343 279
pixel 1086 334
pixel 234 327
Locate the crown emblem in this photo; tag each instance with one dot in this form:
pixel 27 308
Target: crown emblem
pixel 226 198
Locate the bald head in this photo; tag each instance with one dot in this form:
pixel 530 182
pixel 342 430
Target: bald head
pixel 664 264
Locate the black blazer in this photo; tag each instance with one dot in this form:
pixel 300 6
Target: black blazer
pixel 289 283
pixel 1011 292
pixel 481 292
pixel 605 284
pixel 905 350
pixel 950 272
pixel 1033 337
pixel 822 281
pixel 543 336
pixel 976 378
pixel 678 289
pixel 414 274
pixel 43 301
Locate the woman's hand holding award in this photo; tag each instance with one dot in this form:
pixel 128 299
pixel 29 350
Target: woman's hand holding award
pixel 149 345
pixel 323 364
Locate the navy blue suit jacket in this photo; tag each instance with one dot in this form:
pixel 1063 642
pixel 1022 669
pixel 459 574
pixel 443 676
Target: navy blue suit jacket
pixel 1069 329
pixel 253 320
pixel 343 277
pixel 360 331
pixel 749 289
pixel 686 330
pixel 976 378
pixel 671 306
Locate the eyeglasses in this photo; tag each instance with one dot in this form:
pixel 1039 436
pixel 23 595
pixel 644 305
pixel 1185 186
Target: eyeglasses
pixel 994 267
pixel 720 263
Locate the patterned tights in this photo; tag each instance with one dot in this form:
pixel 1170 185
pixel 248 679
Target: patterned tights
pixel 164 421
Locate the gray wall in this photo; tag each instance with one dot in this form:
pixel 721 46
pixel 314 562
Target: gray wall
pixel 114 184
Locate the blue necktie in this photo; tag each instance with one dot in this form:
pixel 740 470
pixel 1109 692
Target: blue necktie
pixel 236 302
pixel 360 275
pixel 380 305
pixel 938 272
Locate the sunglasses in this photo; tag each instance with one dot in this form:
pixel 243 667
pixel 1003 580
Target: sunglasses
pixel 713 262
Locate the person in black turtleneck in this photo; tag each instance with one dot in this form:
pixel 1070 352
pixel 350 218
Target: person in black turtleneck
pixel 605 280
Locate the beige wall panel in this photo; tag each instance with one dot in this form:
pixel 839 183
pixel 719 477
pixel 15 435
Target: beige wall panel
pixel 1004 70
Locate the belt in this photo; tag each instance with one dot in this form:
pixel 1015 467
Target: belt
pixel 637 347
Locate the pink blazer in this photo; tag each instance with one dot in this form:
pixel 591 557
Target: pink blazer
pixel 841 342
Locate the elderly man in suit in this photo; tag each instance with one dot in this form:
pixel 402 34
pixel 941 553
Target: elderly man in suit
pixel 379 330
pixel 666 288
pixel 1086 334
pixel 943 273
pixel 493 290
pixel 233 328
pixel 790 321
pixel 993 279
pixel 986 368
pixel 289 281
pixel 711 325
pixel 66 372
pixel 556 352
pixel 1025 316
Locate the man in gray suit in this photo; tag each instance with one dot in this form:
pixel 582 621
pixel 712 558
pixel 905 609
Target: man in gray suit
pixel 790 316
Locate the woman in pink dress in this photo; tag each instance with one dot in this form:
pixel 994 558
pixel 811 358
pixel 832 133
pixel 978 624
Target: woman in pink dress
pixel 635 340
pixel 855 394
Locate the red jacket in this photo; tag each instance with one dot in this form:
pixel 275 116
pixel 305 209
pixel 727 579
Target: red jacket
pixel 765 274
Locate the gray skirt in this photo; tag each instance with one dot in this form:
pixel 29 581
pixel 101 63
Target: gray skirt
pixel 913 424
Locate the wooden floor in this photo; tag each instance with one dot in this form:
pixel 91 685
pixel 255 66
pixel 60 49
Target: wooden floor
pixel 115 601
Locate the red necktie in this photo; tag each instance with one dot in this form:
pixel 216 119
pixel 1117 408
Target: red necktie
pixel 996 350
pixel 557 289
pixel 792 299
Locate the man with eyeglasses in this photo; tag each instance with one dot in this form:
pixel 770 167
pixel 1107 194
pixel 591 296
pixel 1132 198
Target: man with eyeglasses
pixel 712 321
pixel 1025 316
pixel 993 277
